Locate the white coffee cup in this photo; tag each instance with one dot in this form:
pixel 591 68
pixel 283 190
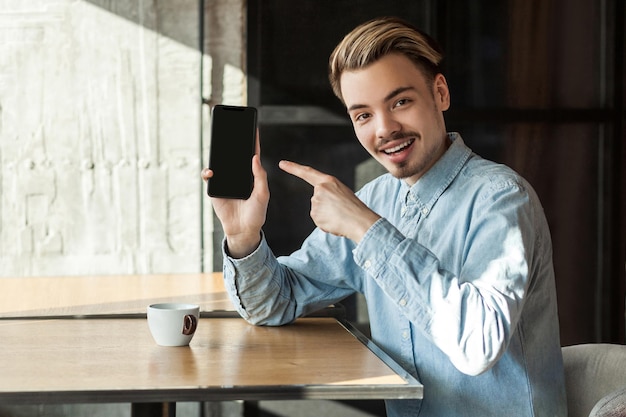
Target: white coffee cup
pixel 173 324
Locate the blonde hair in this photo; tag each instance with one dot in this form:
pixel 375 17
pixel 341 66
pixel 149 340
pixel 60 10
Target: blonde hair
pixel 374 39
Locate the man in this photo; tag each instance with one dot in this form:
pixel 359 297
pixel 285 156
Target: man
pixel 451 251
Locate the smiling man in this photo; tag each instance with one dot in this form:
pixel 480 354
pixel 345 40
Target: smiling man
pixel 398 115
pixel 452 252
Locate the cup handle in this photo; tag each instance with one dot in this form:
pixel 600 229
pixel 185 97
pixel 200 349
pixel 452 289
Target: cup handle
pixel 190 322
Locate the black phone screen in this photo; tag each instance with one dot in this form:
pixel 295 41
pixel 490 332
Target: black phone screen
pixel 233 136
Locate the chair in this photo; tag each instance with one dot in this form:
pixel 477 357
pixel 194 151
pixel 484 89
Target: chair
pixel 612 405
pixel 595 380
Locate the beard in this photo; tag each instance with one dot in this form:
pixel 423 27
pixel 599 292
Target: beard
pixel 419 162
pixel 408 169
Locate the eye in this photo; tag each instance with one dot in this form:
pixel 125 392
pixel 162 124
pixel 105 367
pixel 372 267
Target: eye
pixel 361 117
pixel 401 102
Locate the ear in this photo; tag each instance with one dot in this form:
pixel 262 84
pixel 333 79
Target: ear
pixel 441 92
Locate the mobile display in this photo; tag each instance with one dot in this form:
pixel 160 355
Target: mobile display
pixel 233 136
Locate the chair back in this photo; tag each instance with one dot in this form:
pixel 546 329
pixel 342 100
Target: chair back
pixel 592 372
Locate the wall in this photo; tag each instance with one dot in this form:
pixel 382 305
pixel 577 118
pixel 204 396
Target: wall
pixel 100 132
pixel 102 139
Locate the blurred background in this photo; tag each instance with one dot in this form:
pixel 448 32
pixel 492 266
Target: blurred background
pixel 104 115
pixel 537 85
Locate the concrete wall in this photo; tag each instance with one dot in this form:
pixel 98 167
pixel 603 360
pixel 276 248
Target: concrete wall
pixel 100 132
pixel 102 139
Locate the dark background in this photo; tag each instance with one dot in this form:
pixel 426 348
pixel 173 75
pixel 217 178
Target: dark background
pixel 535 84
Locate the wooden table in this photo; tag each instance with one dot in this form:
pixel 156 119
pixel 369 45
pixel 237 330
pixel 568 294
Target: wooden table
pixel 116 360
pixel 108 294
pixel 86 340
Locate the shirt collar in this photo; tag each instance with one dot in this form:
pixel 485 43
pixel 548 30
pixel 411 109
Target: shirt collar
pixel 433 183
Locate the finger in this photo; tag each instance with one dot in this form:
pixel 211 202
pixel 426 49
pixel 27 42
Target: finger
pixel 260 177
pixel 257 169
pixel 257 146
pixel 206 174
pixel 259 174
pixel 308 174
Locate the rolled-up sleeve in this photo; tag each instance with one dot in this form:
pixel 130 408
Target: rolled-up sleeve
pixel 468 313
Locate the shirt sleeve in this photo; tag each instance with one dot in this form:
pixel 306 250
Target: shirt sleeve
pixel 469 313
pixel 266 290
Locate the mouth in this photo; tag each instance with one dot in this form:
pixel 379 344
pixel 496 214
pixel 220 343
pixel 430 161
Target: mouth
pixel 399 148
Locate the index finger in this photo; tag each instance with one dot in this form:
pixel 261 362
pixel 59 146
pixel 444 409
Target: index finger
pixel 305 172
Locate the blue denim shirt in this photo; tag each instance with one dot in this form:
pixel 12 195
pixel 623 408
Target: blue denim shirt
pixel 459 284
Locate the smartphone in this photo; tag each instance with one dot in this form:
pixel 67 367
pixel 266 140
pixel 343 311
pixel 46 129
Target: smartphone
pixel 233 137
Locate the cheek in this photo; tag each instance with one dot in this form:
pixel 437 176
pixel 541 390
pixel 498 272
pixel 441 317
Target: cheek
pixel 366 137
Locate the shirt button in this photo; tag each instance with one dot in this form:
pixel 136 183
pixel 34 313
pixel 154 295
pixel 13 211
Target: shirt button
pixel 403 302
pixel 403 211
pixel 405 334
pixel 367 264
pixel 425 211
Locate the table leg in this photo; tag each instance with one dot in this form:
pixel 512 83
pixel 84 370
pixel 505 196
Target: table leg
pixel 251 409
pixel 153 410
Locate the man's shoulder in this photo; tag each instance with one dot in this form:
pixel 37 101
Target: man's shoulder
pixel 490 180
pixel 489 172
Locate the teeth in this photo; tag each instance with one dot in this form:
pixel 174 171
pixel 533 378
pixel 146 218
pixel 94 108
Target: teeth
pixel 399 147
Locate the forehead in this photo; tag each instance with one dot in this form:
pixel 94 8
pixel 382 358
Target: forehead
pixel 372 84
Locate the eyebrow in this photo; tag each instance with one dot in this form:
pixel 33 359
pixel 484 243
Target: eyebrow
pixel 388 97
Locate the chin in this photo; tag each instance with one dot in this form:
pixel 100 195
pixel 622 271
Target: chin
pixel 401 172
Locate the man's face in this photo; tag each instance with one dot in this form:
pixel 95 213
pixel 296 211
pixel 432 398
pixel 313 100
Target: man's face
pixel 397 116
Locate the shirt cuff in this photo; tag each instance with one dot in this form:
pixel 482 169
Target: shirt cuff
pixel 377 246
pixel 251 262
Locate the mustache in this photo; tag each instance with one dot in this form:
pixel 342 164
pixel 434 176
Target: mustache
pixel 399 135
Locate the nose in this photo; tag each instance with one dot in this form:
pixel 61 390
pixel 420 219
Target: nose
pixel 387 126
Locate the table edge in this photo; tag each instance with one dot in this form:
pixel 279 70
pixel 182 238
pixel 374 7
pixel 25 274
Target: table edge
pixel 413 389
pixel 257 393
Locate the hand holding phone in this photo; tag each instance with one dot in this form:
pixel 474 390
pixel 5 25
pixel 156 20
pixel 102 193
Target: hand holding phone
pixel 233 136
pixel 242 220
